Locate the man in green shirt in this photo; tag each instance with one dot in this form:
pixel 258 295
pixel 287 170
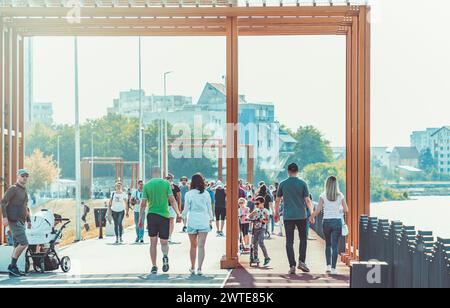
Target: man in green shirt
pixel 156 196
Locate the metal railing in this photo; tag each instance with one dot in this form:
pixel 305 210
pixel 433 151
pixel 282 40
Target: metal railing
pixel 415 259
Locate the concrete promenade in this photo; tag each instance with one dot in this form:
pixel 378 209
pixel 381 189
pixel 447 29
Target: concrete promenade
pixel 101 263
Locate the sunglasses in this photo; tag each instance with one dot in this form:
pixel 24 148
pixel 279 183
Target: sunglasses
pixel 258 203
pixel 24 175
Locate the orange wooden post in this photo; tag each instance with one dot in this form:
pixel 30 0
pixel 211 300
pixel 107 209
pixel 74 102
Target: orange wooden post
pixel 231 259
pixel 250 163
pixel 2 121
pixel 14 126
pixel 21 126
pixel 220 161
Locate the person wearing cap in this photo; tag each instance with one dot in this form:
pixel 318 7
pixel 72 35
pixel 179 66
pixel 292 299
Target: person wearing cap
pixel 16 216
pixel 297 202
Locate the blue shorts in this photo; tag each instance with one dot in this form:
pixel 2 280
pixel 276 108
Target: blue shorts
pixel 195 231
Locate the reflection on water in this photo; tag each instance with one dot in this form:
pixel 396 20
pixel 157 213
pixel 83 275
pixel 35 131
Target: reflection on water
pixel 425 213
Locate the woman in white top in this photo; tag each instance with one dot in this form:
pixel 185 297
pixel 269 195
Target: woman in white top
pixel 333 204
pixel 198 216
pixel 119 208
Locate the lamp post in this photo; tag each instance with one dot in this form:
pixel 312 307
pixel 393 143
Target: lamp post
pixel 165 134
pixel 92 163
pixel 58 162
pixel 141 146
pixel 77 146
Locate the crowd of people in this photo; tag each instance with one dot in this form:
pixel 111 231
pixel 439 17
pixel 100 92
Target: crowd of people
pixel 161 203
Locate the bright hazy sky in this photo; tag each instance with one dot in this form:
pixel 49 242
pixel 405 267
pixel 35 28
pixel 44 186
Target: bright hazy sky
pixel 303 76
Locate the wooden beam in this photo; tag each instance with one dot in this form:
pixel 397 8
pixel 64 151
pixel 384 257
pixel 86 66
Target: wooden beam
pixel 142 22
pixel 2 122
pixel 21 126
pixel 14 116
pixel 7 107
pixel 308 11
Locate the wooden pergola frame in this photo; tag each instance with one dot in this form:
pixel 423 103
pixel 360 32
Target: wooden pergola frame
pixel 231 22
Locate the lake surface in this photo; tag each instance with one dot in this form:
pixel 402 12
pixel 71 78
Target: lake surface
pixel 425 213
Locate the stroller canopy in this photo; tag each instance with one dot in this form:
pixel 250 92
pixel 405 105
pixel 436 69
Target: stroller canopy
pixel 41 231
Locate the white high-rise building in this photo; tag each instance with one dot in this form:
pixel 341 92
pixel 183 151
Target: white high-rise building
pixel 441 149
pixel 422 139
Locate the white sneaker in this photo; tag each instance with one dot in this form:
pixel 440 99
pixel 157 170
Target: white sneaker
pixel 328 271
pixel 199 272
pixel 192 271
pixel 334 271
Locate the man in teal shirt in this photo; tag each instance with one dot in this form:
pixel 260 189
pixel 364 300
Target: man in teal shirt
pixel 297 202
pixel 157 194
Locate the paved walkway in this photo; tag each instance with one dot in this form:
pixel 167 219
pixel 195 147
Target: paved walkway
pixel 275 275
pixel 101 263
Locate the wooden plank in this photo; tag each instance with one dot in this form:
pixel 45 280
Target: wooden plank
pixel 14 107
pixel 21 127
pixel 308 11
pixel 2 136
pixel 354 149
pixel 348 133
pixel 8 98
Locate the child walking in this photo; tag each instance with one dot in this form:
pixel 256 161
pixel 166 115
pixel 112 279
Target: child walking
pixel 260 217
pixel 244 211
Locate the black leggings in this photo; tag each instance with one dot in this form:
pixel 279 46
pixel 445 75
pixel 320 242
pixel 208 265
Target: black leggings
pixel 118 220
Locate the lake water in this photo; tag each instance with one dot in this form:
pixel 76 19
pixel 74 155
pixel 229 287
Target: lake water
pixel 425 213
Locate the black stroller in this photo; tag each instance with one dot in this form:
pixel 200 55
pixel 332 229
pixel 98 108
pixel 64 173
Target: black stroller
pixel 43 238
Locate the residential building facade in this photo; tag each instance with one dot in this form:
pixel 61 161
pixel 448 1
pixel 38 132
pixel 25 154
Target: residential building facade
pixel 422 140
pixel 404 157
pixel 441 149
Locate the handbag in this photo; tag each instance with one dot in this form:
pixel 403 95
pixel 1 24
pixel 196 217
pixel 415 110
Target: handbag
pixel 345 231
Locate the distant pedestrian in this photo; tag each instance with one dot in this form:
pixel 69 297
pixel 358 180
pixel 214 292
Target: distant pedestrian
pixel 220 197
pixel 184 188
pixel 136 199
pixel 334 207
pixel 198 216
pixel 119 209
pixel 173 215
pixel 295 195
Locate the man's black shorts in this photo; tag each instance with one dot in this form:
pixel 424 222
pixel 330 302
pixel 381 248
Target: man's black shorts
pixel 221 213
pixel 158 226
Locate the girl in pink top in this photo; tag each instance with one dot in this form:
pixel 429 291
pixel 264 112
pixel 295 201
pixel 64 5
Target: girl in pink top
pixel 244 211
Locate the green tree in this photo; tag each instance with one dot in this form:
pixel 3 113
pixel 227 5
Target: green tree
pixel 316 175
pixel 43 170
pixel 426 161
pixel 311 147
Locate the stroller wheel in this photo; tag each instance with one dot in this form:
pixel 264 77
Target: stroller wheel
pixel 65 264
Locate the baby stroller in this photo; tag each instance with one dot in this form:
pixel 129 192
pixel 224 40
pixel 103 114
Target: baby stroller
pixel 43 238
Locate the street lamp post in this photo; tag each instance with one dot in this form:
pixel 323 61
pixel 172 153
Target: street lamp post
pixel 141 146
pixel 77 146
pixel 92 163
pixel 165 133
pixel 59 168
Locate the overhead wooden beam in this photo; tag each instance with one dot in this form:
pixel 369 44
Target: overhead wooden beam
pixel 325 11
